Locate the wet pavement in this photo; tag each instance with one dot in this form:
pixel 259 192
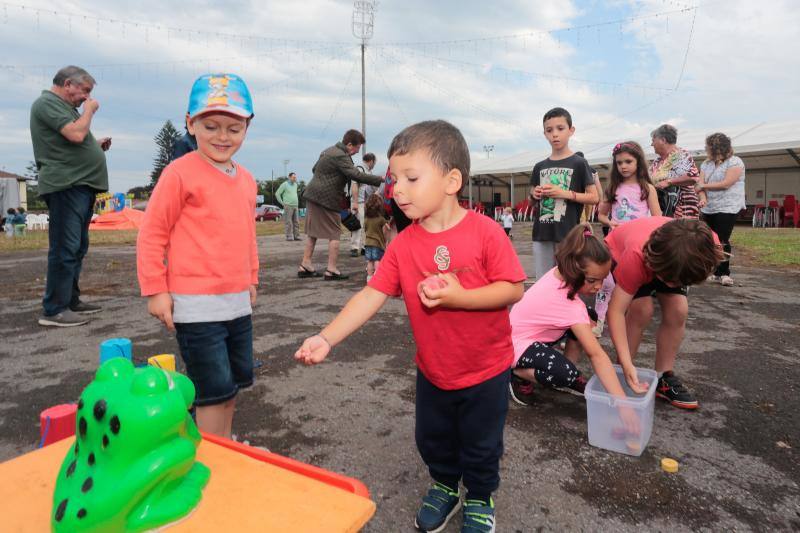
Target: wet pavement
pixel 738 454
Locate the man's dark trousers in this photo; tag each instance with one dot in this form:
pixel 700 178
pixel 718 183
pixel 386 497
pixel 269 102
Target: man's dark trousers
pixel 70 215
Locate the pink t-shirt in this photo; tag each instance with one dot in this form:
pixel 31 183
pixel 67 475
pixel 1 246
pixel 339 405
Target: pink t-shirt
pixel 544 314
pixel 629 204
pixel 456 348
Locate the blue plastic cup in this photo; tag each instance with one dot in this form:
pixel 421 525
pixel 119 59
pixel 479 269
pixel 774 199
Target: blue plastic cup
pixel 112 348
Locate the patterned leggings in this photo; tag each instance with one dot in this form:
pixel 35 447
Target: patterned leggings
pixel 550 366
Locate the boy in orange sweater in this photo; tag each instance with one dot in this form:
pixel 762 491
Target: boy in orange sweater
pixel 197 258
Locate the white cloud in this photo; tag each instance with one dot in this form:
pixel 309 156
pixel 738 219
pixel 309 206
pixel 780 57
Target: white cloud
pixel 742 67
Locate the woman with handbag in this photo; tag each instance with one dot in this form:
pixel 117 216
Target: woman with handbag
pixel 674 174
pixel 325 199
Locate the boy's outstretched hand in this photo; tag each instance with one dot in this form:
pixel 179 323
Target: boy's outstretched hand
pixel 313 351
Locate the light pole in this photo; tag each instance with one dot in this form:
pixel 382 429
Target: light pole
pixel 488 148
pixel 363 23
pixel 285 162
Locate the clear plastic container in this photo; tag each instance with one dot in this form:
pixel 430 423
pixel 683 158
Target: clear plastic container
pixel 602 411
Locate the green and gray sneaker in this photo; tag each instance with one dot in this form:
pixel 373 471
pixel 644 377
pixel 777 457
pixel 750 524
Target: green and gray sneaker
pixel 438 507
pixel 478 516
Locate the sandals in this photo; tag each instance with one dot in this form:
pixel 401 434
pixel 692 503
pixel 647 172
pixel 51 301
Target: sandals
pixel 335 276
pixel 307 273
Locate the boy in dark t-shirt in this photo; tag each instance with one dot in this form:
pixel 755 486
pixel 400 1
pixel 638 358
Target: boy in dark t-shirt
pixel 562 184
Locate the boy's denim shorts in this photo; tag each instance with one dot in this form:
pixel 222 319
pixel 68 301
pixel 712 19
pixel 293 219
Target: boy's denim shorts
pixel 218 357
pixel 373 253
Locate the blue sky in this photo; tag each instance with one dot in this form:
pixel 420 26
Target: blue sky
pixel 492 69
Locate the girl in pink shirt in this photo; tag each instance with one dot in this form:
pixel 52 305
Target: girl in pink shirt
pixel 630 196
pixel 550 310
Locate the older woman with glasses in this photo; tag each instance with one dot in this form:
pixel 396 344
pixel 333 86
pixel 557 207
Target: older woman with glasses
pixel 674 174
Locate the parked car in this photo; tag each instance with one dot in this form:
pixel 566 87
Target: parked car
pixel 268 212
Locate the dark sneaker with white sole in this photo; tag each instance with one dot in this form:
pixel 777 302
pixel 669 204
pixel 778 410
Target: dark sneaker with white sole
pixel 521 390
pixel 671 388
pixel 65 319
pixel 86 309
pixel 478 517
pixel 577 388
pixel 438 507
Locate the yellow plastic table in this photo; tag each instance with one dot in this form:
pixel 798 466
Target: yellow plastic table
pixel 249 490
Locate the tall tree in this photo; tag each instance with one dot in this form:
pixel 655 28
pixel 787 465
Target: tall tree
pixel 165 140
pixel 35 202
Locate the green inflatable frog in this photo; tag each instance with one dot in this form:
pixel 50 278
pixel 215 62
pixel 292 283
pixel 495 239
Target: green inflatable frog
pixel 133 466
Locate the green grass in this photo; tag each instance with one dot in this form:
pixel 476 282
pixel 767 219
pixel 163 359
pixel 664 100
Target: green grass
pixel 37 240
pixel 761 246
pixel 767 246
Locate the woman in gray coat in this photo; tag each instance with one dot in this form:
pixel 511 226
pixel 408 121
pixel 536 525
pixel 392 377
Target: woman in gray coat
pixel 325 199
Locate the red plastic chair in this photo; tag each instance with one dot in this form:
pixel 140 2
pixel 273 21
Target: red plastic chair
pixel 791 215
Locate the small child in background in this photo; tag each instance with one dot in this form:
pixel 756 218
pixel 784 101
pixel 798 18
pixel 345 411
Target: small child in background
pixel 630 195
pixel 508 221
pixel 375 230
pixel 22 216
pixel 198 268
pixel 549 311
pixel 8 224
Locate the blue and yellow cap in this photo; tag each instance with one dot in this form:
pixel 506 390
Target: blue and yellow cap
pixel 225 93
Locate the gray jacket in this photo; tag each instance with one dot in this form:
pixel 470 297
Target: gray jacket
pixel 332 171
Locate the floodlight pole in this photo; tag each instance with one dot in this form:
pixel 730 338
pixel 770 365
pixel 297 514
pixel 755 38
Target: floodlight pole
pixel 363 24
pixel 363 100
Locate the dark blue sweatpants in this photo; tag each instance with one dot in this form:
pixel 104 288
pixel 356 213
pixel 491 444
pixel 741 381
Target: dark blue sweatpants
pixel 459 433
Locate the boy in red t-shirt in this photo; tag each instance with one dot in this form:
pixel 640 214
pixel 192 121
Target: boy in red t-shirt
pixel 661 257
pixel 457 273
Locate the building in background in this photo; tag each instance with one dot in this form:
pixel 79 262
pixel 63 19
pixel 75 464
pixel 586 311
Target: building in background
pixel 13 192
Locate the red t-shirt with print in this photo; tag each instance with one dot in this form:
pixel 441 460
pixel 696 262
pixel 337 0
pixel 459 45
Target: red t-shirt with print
pixel 456 348
pixel 626 243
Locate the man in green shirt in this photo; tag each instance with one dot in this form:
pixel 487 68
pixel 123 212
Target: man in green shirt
pixel 286 195
pixel 72 170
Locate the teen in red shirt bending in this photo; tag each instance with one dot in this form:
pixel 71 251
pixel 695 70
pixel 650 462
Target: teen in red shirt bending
pixel 457 273
pixel 661 257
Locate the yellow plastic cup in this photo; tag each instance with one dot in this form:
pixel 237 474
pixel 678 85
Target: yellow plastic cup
pixel 164 360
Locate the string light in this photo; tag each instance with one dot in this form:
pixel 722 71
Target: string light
pixel 157 27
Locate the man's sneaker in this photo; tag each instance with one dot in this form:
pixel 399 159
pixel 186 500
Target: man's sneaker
pixel 521 390
pixel 478 516
pixel 577 388
pixel 671 388
pixel 438 507
pixel 713 279
pixel 726 281
pixel 86 309
pixel 65 319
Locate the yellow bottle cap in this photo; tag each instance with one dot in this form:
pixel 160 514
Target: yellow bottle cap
pixel 669 465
